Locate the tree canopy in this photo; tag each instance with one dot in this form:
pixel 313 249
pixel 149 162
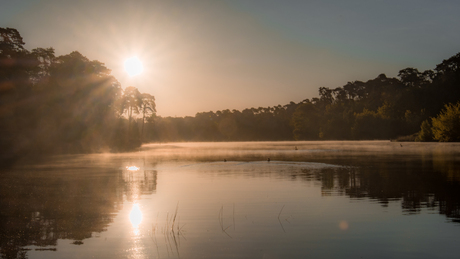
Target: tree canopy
pixel 55 104
pixel 380 108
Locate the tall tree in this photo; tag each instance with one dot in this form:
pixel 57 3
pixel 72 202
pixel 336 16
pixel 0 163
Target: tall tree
pixel 131 101
pixel 147 107
pixel 305 120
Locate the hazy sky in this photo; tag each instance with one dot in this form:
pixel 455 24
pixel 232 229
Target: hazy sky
pixel 236 54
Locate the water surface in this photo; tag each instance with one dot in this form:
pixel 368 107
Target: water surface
pixel 350 199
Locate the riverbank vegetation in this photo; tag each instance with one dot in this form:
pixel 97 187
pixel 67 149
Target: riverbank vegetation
pixel 63 104
pixel 408 107
pixel 70 104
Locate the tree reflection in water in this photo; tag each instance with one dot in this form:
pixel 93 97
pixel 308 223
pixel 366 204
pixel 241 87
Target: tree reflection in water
pixel 41 205
pixel 433 184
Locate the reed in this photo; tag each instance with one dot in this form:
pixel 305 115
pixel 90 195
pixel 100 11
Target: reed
pixel 171 231
pixel 279 214
pixel 221 221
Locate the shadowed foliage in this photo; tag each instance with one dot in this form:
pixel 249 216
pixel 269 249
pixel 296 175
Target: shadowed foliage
pixel 446 126
pixel 64 104
pixel 380 108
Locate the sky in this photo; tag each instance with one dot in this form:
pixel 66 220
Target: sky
pixel 209 55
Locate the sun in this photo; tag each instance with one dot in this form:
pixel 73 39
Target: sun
pixel 133 66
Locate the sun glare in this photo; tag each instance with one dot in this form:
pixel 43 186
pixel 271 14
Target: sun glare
pixel 135 216
pixel 133 66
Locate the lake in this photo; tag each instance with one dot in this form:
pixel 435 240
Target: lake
pixel 324 199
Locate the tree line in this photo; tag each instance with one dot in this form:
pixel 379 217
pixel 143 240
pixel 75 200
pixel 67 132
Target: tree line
pixel 70 104
pixel 414 105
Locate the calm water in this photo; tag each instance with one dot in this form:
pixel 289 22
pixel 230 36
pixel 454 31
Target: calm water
pixel 225 200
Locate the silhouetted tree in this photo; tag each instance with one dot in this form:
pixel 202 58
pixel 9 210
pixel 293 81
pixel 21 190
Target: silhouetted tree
pixel 131 101
pixel 305 120
pixel 147 107
pixel 53 104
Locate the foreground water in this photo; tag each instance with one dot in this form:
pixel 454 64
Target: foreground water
pixel 226 200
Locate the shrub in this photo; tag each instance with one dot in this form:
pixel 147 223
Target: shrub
pixel 425 134
pixel 446 126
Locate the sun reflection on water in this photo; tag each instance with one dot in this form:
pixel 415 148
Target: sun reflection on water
pixel 135 216
pixel 132 168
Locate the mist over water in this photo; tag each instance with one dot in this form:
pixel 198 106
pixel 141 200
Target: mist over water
pixel 319 199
